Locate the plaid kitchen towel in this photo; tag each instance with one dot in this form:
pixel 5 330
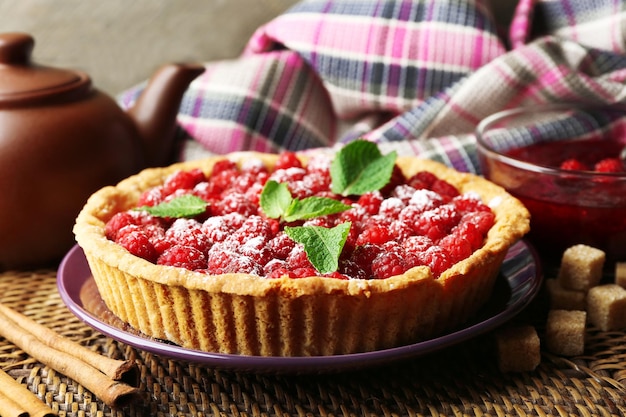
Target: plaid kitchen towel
pixel 414 76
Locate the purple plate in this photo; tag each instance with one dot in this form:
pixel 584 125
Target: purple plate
pixel 518 283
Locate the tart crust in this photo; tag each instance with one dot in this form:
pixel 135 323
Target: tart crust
pixel 251 315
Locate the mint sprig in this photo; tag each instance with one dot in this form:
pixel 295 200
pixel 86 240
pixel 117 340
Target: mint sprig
pixel 360 167
pixel 277 203
pixel 357 168
pixel 187 205
pixel 322 245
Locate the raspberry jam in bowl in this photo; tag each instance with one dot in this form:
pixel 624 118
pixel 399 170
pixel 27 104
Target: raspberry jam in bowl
pixel 565 164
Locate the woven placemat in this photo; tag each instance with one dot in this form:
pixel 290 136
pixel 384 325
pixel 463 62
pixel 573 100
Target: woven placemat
pixel 459 381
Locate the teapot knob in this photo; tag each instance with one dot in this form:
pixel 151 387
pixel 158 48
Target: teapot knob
pixel 22 82
pixel 16 48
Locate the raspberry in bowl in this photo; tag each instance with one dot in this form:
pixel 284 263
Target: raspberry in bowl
pixel 293 255
pixel 565 164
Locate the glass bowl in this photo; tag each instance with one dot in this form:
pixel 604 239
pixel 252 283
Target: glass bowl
pixel 522 150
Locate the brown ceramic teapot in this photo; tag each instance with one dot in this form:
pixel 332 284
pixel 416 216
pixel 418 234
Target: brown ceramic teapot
pixel 61 140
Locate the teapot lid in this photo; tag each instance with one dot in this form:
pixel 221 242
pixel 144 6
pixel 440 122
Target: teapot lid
pixel 23 82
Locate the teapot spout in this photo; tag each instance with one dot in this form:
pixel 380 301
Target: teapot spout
pixel 154 113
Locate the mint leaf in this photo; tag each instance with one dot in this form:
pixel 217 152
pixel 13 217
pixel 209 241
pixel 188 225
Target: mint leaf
pixel 360 167
pixel 187 205
pixel 322 245
pixel 277 203
pixel 311 207
pixel 275 199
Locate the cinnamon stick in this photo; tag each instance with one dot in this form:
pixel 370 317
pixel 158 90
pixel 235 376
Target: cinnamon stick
pixel 29 404
pixel 119 370
pixel 115 394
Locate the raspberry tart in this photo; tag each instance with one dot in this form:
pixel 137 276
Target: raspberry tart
pixel 258 268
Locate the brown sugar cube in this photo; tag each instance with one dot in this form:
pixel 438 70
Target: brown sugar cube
pixel 563 298
pixel 565 332
pixel 581 267
pixel 620 274
pixel 518 349
pixel 606 307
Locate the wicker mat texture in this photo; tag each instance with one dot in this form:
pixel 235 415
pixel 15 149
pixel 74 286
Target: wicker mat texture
pixel 459 381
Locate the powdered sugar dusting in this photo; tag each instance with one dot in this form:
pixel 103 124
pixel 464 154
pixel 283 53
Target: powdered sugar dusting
pixel 391 230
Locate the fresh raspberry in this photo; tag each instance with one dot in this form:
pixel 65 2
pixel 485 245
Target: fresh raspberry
pixel 223 165
pixel 435 258
pixel 317 181
pixel 126 218
pixel 470 232
pixel 573 165
pixel 245 181
pixel 403 192
pixel 456 246
pixel 207 191
pixel 319 222
pixel 116 223
pixel 253 193
pixel 279 273
pixel 483 220
pixel 319 163
pixel 422 179
pixel 276 268
pixel 438 222
pixel 424 199
pixel 435 224
pixel 609 165
pixel 190 233
pixel 353 235
pixel 417 244
pixel 223 259
pixel 256 249
pixel 298 258
pixel 444 189
pixel 274 226
pixel 356 215
pixel 397 178
pixel 351 269
pixel 288 176
pixel 387 264
pixel 234 203
pixel 218 228
pixel 151 197
pixel 364 255
pixel 254 227
pixel 137 243
pixel 299 189
pixel 222 181
pixel 254 167
pixel 376 234
pixel 370 202
pixel 155 232
pixel 287 160
pixel 336 275
pixel 412 246
pixel 304 272
pixel 183 257
pixel 183 180
pixel 311 184
pixel 234 220
pixel 400 230
pixel 281 245
pixel 466 203
pixel 220 256
pixel 391 207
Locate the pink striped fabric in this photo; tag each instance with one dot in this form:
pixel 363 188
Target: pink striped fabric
pixel 414 76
